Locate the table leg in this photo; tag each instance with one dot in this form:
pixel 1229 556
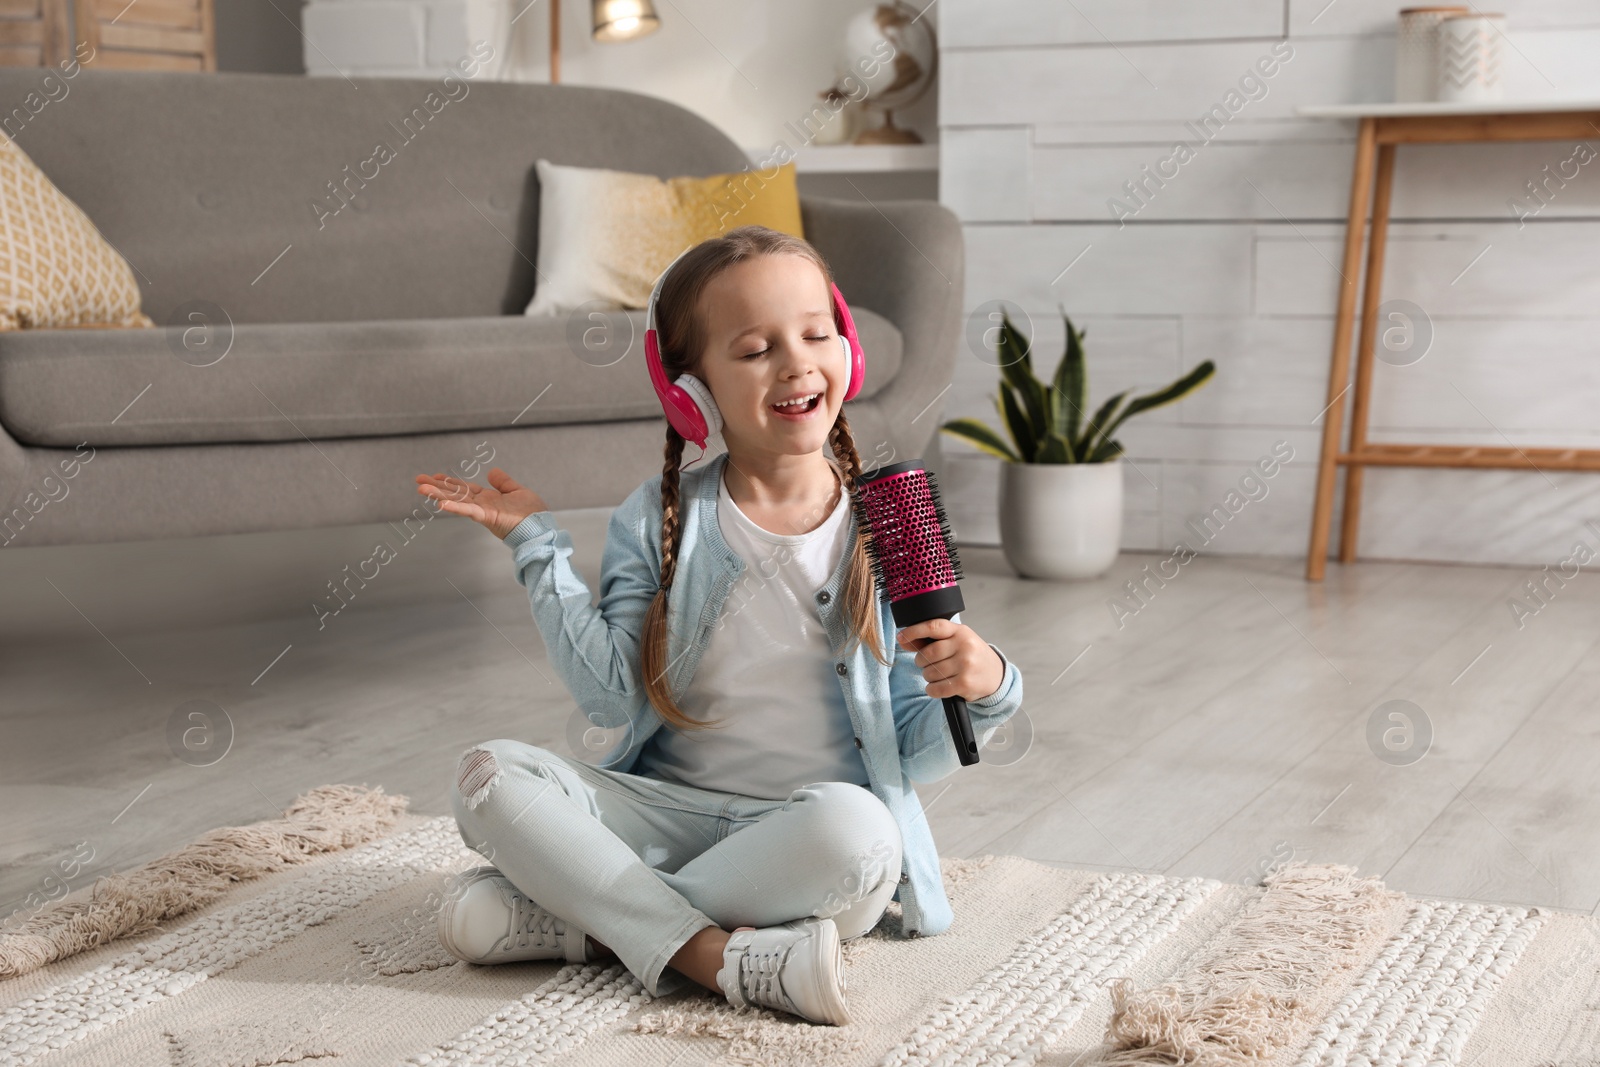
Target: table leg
pixel 1339 365
pixel 1359 402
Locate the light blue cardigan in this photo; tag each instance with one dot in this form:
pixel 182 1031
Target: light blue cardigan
pixel 901 731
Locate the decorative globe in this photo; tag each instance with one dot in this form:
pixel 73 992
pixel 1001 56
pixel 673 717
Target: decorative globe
pixel 892 30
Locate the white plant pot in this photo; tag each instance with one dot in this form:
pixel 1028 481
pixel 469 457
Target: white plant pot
pixel 1061 520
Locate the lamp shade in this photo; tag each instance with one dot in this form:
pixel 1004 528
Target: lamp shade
pixel 621 20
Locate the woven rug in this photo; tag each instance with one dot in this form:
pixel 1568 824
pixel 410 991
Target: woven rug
pixel 335 960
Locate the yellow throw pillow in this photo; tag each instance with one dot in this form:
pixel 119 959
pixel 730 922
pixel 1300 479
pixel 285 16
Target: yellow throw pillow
pixel 55 269
pixel 606 235
pixel 744 198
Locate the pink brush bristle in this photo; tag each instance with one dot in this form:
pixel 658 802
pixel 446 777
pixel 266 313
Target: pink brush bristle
pixel 908 536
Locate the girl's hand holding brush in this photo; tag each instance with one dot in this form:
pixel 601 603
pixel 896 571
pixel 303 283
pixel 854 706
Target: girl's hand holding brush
pixel 955 661
pixel 498 507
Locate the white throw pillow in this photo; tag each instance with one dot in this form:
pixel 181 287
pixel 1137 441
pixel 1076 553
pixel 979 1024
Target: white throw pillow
pixel 603 235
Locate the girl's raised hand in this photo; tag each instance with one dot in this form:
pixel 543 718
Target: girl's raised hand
pixel 498 508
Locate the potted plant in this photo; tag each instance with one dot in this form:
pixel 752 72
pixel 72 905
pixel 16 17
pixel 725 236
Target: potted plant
pixel 1061 485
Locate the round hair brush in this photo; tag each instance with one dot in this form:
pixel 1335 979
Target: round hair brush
pixel 901 519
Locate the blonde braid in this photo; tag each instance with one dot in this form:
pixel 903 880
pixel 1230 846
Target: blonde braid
pixel 653 646
pixel 861 589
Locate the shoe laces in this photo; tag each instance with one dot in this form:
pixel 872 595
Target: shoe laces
pixel 533 926
pixel 758 977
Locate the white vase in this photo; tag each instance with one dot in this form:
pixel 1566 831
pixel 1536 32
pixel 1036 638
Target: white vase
pixel 1415 50
pixel 1061 520
pixel 1469 58
pixel 840 127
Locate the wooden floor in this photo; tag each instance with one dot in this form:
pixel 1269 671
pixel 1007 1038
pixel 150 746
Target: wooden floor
pixel 1220 730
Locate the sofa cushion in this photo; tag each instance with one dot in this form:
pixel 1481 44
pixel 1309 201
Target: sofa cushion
pixel 293 381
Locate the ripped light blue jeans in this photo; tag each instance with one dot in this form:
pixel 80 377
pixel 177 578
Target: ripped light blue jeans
pixel 643 864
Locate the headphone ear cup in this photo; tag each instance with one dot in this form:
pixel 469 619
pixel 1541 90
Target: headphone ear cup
pixel 701 396
pixel 849 369
pixel 682 408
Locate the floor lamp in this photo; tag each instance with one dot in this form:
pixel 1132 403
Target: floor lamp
pixel 614 20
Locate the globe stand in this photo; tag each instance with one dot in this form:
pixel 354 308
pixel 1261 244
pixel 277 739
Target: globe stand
pixel 888 133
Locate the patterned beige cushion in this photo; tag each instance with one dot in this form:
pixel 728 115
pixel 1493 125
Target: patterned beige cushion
pixel 55 269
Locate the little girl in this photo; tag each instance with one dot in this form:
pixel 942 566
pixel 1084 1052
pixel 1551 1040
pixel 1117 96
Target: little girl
pixel 774 815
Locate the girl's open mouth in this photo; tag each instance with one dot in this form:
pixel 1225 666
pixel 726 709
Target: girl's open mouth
pixel 799 410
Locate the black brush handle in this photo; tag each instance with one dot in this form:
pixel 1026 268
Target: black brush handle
pixel 955 711
pixel 960 720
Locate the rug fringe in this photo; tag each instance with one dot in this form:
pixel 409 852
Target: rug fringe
pixel 958 871
pixel 325 819
pixel 1244 1004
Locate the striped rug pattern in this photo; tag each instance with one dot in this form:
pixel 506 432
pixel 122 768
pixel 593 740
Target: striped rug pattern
pixel 335 962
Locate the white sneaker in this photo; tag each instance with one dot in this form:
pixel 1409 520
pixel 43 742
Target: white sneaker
pixel 795 968
pixel 485 918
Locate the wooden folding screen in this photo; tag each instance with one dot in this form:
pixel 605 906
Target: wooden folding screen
pixel 33 33
pixel 123 34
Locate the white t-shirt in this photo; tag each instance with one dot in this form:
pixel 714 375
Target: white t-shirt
pixel 767 671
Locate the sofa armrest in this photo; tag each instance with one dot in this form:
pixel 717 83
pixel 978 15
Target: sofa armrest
pixel 906 260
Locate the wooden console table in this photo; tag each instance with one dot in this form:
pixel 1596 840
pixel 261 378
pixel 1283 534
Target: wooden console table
pixel 1383 126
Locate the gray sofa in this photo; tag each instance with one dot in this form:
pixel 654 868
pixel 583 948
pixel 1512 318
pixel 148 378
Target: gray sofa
pixel 388 338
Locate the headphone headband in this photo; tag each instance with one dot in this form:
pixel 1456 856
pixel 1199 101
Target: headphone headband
pixel 655 292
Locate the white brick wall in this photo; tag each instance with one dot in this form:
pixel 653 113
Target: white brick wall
pixel 1046 110
pixel 447 39
pixel 393 38
pixel 363 36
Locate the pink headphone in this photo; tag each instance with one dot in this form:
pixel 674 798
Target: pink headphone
pixel 688 403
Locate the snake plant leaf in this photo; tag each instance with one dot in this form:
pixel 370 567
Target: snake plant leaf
pixel 1085 444
pixel 1176 391
pixel 1071 385
pixel 1054 450
pixel 1052 413
pixel 1107 451
pixel 1013 347
pixel 1016 420
pixel 1055 408
pixel 1016 367
pixel 1056 419
pixel 976 433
